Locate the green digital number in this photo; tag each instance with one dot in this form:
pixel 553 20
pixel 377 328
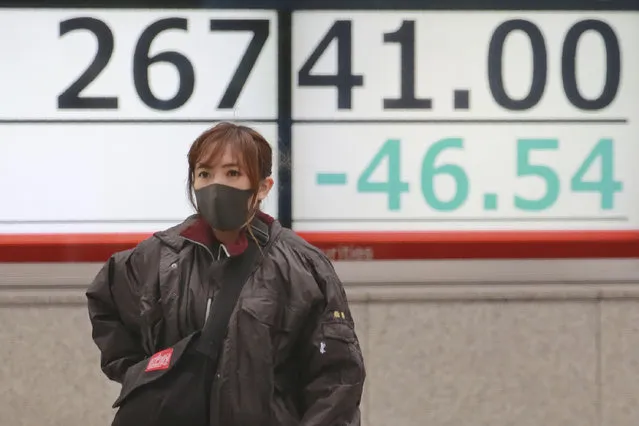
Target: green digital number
pixel 526 168
pixel 606 186
pixel 394 186
pixel 430 171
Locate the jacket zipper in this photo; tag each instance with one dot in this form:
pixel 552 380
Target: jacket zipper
pixel 217 382
pixel 203 246
pixel 209 299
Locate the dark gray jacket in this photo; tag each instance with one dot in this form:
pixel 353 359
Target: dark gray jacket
pixel 291 352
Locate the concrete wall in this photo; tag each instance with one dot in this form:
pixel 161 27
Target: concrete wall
pixel 526 343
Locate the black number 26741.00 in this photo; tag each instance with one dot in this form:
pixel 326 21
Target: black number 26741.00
pixel 71 97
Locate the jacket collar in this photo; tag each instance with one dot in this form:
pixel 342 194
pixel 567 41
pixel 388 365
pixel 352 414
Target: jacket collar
pixel 195 229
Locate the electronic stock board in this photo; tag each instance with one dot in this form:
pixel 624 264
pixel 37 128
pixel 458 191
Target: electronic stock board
pixel 407 129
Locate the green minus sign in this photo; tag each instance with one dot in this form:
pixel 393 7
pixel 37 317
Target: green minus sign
pixel 331 178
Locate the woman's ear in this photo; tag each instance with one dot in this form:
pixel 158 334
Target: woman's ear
pixel 265 188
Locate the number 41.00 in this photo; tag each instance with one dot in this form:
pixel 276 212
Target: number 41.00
pixel 394 186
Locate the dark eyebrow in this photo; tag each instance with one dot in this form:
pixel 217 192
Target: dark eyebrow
pixel 224 166
pixel 230 166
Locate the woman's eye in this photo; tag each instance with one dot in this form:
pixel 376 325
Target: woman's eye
pixel 203 175
pixel 233 173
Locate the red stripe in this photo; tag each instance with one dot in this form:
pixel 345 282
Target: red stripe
pixel 381 245
pixel 479 245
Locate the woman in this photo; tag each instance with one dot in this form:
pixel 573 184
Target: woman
pixel 290 355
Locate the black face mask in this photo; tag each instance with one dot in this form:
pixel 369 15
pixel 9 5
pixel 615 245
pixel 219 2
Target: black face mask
pixel 223 207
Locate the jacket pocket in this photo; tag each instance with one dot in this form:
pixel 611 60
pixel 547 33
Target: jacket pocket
pixel 263 309
pixel 340 331
pixel 340 349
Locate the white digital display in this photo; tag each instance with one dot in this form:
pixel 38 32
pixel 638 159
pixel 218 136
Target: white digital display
pixel 461 121
pixel 99 107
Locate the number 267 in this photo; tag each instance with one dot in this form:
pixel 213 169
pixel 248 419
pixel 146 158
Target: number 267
pixel 71 97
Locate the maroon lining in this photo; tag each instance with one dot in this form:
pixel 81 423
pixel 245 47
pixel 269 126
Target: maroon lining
pixel 265 218
pixel 201 232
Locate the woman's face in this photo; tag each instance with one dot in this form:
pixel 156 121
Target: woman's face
pixel 227 171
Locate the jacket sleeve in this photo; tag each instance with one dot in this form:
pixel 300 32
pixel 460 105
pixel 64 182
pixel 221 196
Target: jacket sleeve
pixel 112 305
pixel 332 365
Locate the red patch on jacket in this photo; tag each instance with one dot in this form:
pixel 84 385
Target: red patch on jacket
pixel 160 360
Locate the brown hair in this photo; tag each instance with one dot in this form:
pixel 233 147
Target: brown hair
pixel 253 152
